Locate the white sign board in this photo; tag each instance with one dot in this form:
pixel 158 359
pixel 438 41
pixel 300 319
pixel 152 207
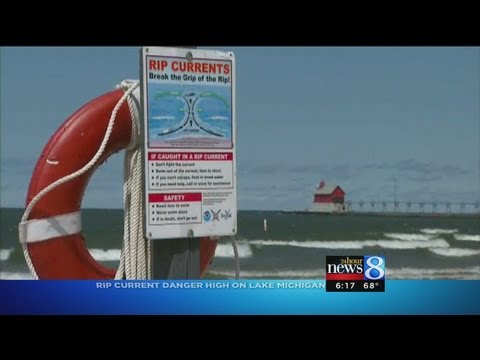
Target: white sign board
pixel 188 98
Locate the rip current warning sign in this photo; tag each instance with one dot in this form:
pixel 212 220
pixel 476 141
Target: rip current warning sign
pixel 188 98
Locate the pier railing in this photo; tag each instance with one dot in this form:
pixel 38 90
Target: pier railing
pixel 434 207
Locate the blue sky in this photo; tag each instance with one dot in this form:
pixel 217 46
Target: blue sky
pixel 355 116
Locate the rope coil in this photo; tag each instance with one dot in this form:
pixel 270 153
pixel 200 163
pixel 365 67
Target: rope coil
pixel 135 258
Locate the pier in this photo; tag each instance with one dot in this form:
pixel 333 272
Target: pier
pixel 414 208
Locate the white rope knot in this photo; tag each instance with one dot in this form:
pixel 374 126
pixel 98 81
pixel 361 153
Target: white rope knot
pixel 127 84
pixel 133 105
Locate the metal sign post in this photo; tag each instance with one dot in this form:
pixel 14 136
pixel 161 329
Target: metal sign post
pixel 188 102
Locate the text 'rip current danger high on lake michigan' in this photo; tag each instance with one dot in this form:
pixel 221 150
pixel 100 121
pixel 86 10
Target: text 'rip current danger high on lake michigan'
pixel 212 285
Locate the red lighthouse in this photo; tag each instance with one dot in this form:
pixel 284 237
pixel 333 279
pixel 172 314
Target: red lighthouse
pixel 328 199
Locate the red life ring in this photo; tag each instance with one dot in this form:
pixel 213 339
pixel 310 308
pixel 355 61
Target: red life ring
pixel 71 147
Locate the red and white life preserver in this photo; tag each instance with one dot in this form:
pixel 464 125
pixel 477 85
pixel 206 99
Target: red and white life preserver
pixel 52 235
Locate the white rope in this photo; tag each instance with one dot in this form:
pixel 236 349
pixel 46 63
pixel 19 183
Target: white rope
pixel 135 259
pixel 92 162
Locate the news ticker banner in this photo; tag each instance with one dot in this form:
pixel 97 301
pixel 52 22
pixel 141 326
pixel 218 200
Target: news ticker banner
pixel 235 297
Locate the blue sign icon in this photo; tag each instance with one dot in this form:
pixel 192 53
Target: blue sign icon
pixel 207 216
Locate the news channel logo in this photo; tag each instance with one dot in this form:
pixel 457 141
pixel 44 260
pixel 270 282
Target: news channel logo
pixel 355 273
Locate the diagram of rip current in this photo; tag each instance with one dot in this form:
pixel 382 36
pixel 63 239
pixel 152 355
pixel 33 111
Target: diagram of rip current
pixel 191 123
